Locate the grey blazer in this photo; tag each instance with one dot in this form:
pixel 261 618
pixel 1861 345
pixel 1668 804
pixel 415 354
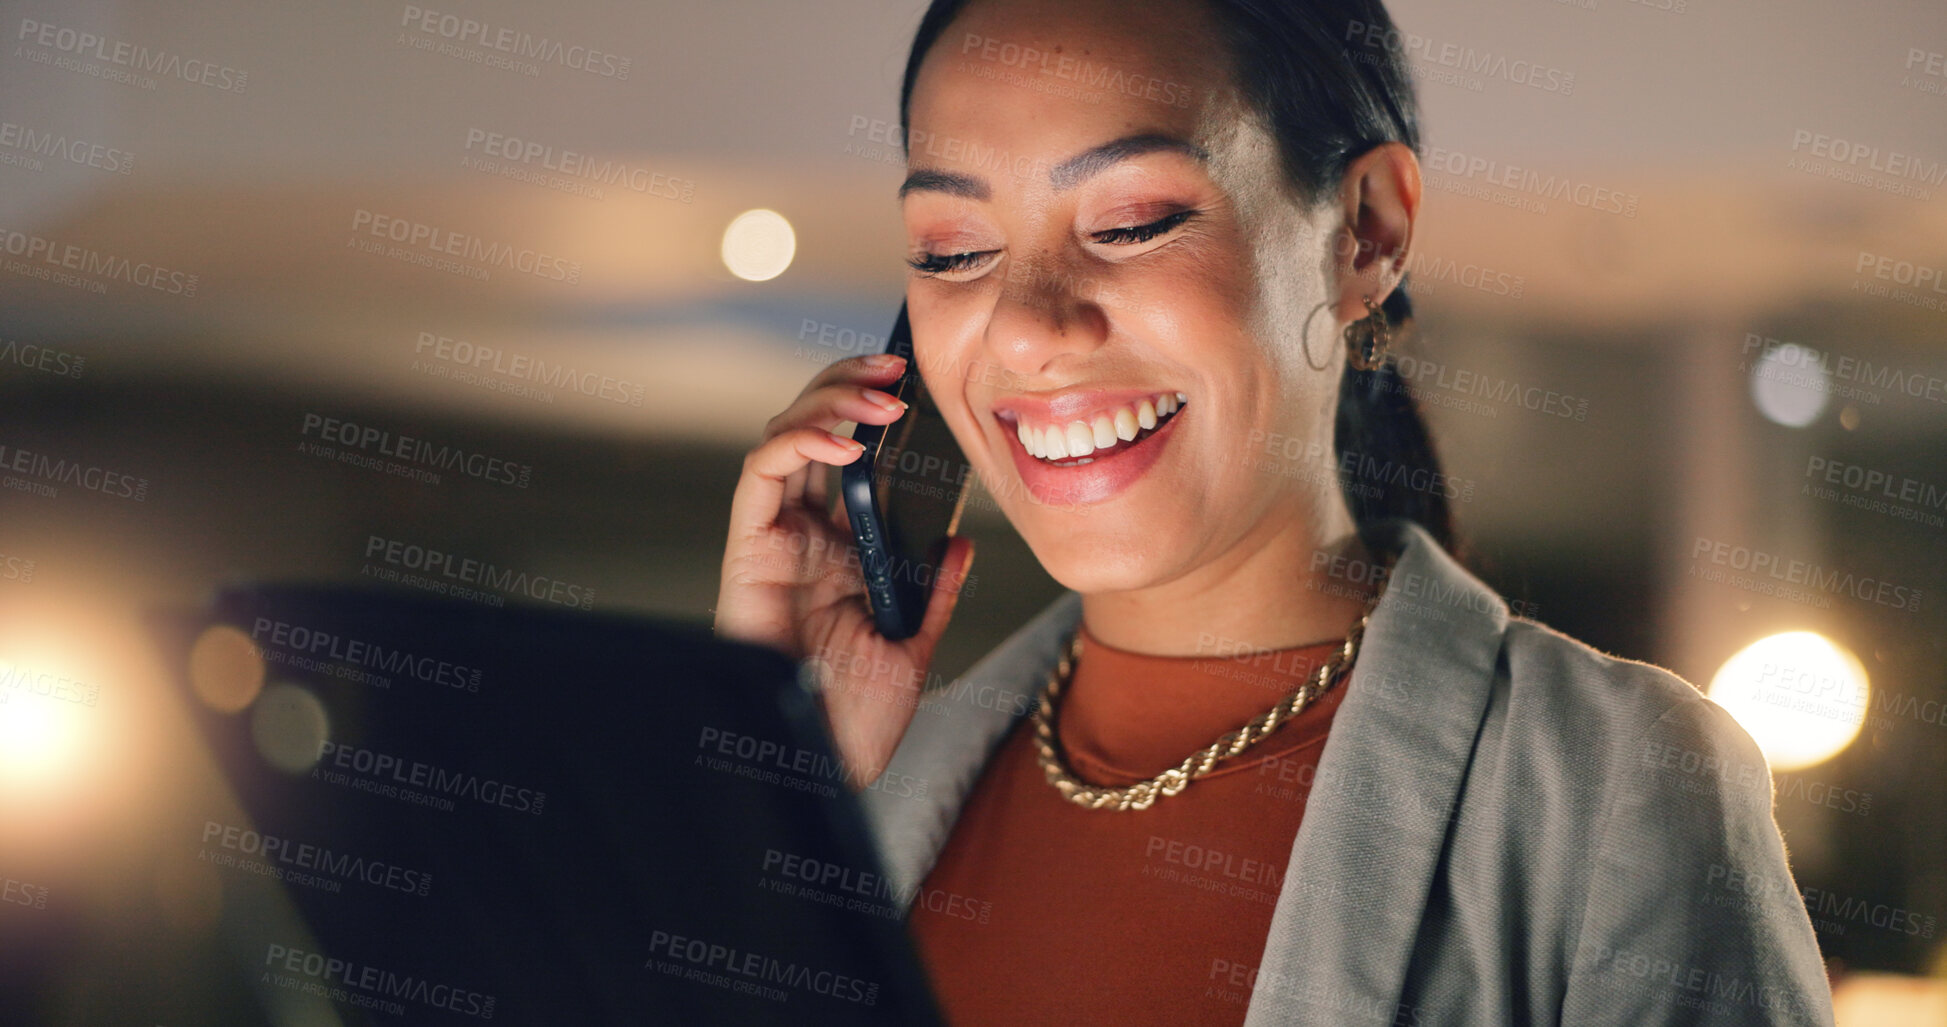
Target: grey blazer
pixel 1505 827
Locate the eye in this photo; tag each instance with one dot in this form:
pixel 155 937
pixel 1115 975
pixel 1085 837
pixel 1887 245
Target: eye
pixel 1143 233
pixel 947 263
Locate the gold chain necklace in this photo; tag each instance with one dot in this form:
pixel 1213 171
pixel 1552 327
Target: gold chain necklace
pixel 1143 794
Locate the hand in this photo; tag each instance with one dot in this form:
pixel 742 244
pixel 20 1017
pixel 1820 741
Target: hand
pixel 791 577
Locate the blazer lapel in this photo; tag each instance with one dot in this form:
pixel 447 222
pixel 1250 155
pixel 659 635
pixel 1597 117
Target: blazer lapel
pixel 1384 792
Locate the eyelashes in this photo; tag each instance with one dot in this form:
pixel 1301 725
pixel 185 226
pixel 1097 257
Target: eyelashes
pixel 1143 233
pixel 933 264
pixel 936 263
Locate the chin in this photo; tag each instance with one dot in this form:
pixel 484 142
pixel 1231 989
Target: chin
pixel 1090 556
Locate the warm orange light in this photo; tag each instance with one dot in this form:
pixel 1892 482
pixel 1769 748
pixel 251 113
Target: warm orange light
pixel 226 669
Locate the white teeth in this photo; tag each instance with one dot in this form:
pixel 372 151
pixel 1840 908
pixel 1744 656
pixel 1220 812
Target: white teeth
pixel 1104 431
pixel 1081 438
pixel 1077 439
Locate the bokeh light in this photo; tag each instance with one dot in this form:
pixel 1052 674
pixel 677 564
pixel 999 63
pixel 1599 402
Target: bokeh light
pixel 1802 696
pixel 226 669
pixel 42 736
pixel 759 245
pixel 289 726
pixel 1789 386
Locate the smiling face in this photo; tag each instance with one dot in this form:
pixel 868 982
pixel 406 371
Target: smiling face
pixel 1111 279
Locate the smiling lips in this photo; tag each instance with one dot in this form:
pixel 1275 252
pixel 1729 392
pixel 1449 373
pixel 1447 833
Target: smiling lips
pixel 1085 447
pixel 1073 440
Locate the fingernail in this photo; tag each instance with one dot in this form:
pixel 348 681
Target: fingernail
pixel 885 400
pixel 885 360
pixel 851 444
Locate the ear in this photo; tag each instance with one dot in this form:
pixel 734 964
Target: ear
pixel 1380 201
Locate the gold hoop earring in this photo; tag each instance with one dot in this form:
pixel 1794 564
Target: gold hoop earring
pixel 1367 339
pixel 1305 339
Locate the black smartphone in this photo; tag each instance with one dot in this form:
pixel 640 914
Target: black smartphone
pixel 904 495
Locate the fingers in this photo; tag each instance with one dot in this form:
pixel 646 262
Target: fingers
pixel 948 585
pixel 829 406
pixel 871 369
pixel 849 390
pixel 816 487
pixel 761 488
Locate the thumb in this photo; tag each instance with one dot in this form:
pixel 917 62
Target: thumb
pixel 949 584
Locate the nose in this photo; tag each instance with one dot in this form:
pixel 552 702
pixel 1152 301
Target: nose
pixel 1048 312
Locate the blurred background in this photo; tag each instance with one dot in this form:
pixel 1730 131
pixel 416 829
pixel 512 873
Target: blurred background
pixel 1683 340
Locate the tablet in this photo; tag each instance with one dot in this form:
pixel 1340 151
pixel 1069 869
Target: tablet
pixel 456 813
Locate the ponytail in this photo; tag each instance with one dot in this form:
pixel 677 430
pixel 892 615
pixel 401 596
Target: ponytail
pixel 1386 456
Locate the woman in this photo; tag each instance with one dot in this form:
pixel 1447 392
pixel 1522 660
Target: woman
pixel 1154 245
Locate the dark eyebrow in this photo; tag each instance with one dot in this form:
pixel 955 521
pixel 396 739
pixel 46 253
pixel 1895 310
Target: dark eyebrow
pixel 1076 169
pixel 951 183
pixel 1066 175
